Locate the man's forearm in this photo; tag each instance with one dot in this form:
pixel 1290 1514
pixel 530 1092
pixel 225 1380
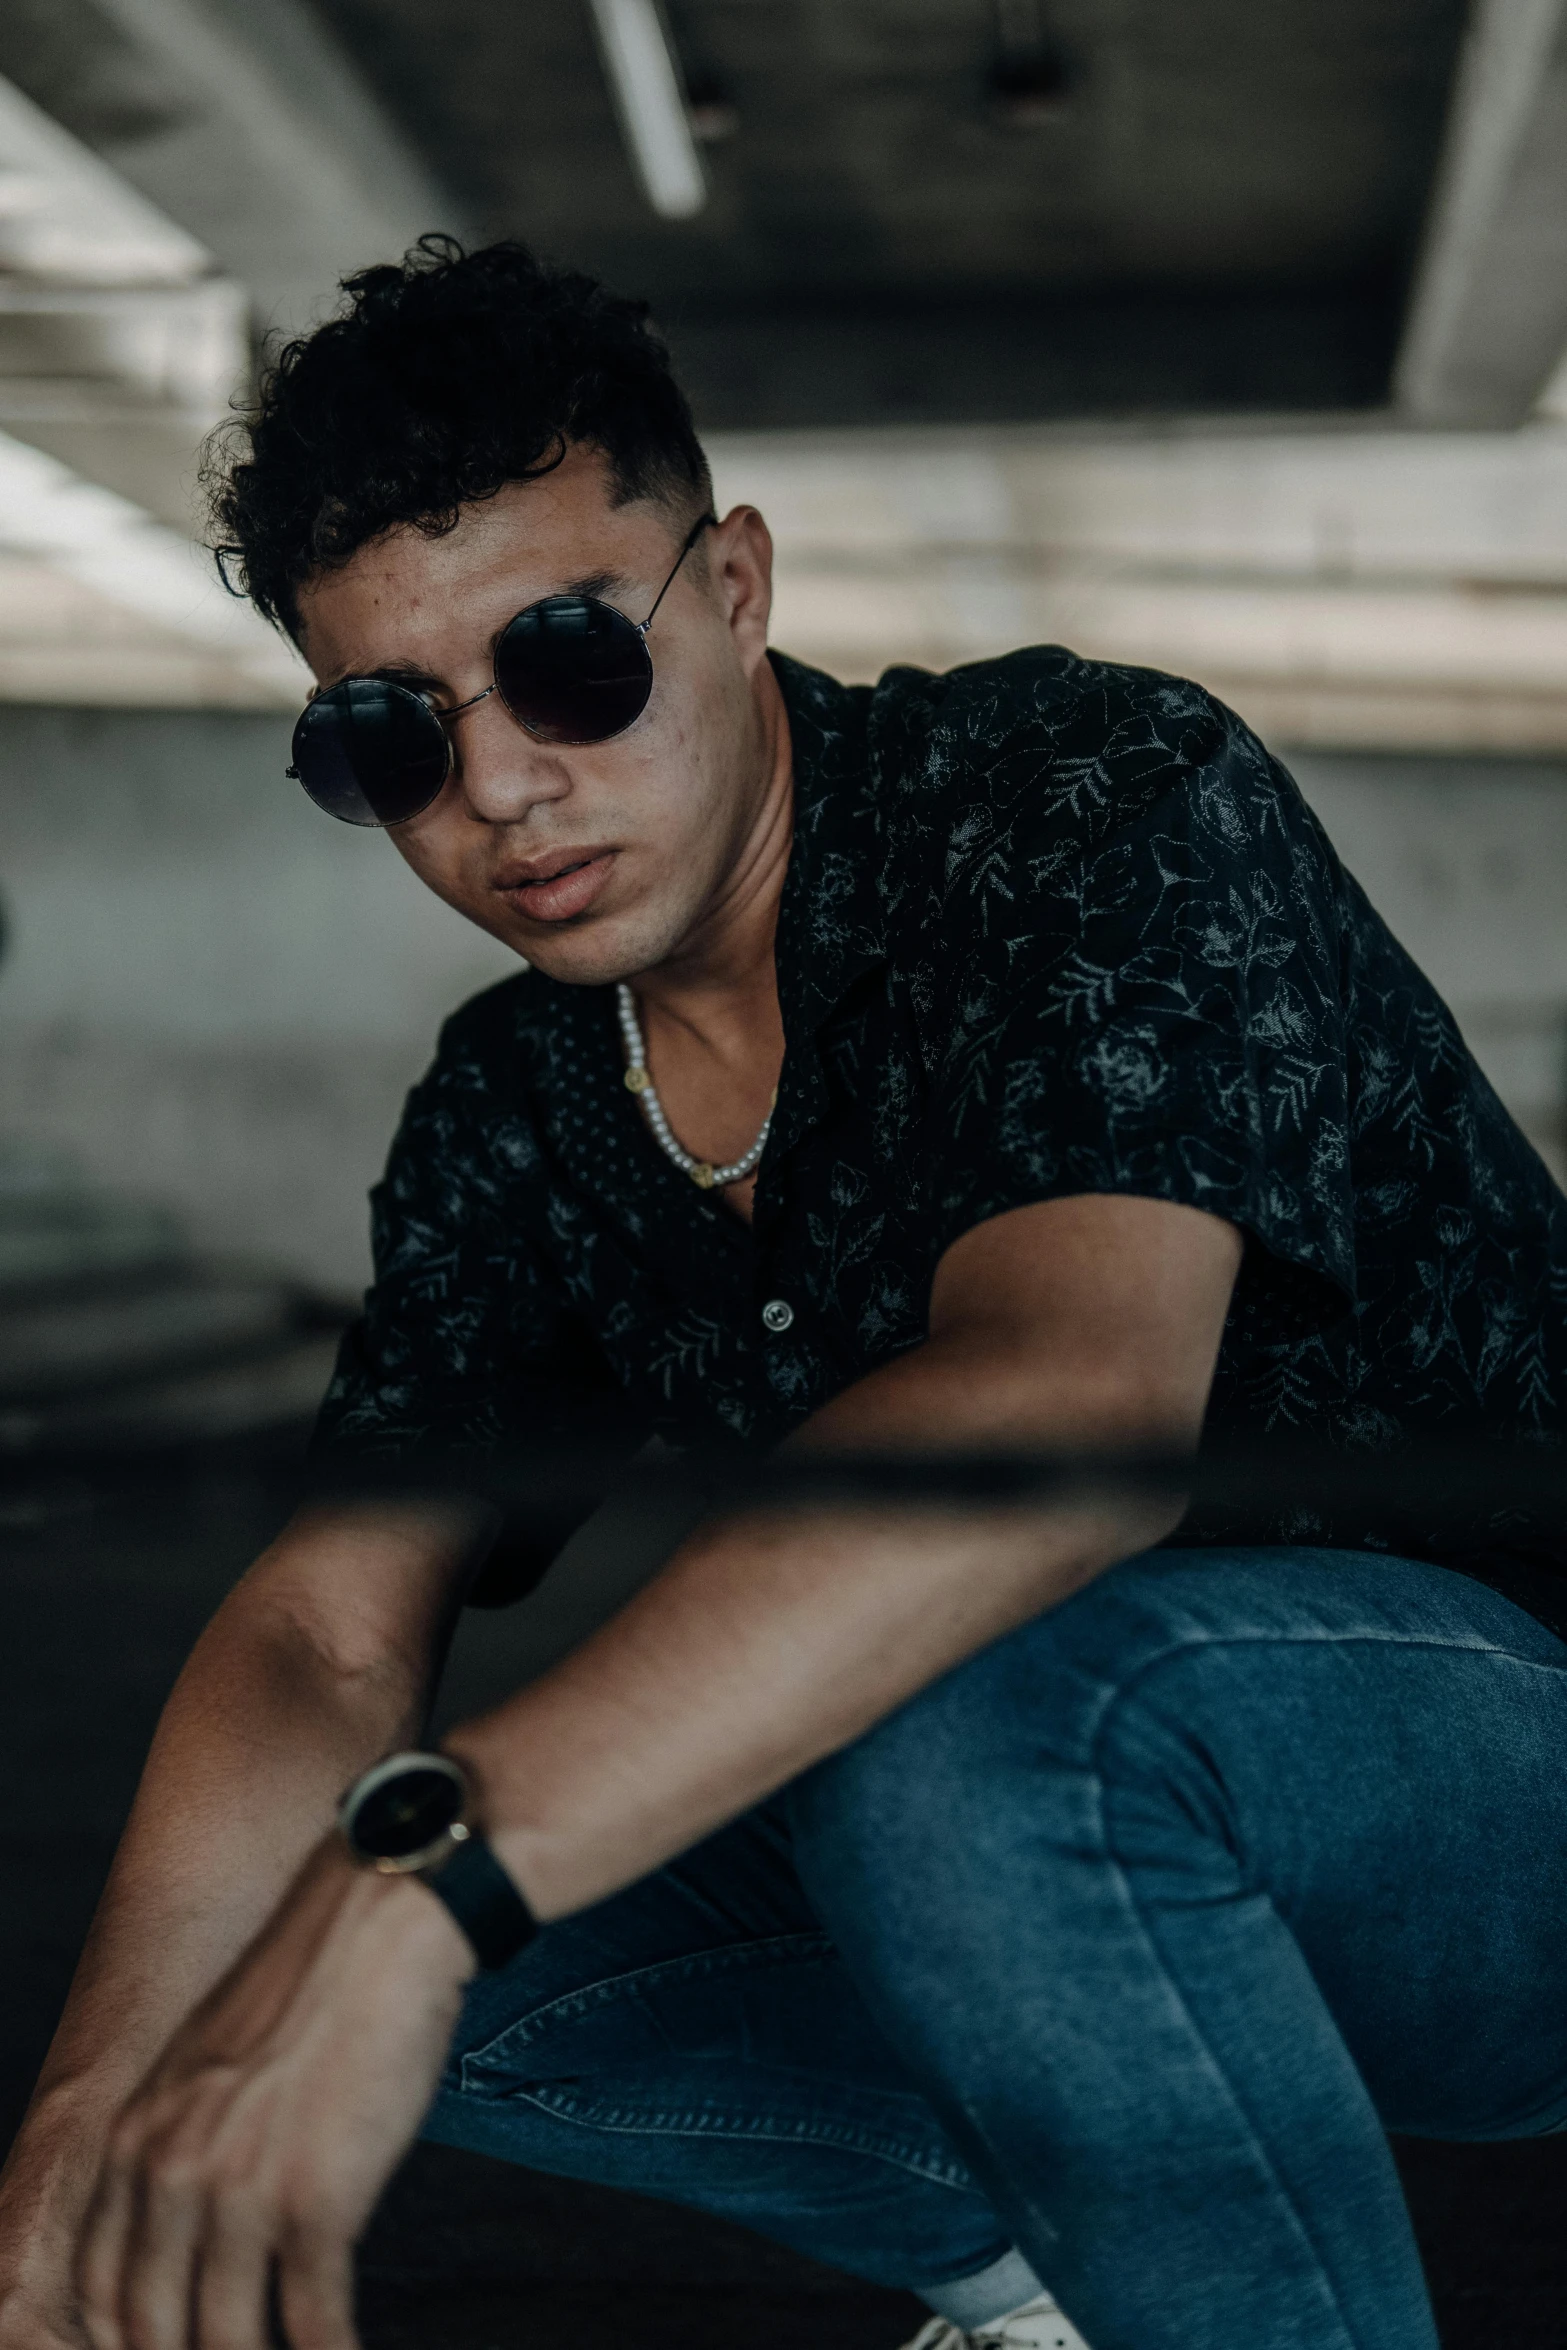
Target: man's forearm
pixel 231 1801
pixel 758 1650
pixel 767 1644
pixel 269 1720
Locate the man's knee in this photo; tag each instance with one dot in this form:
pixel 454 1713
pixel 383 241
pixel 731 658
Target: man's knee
pixel 1153 1725
pixel 1017 1765
pixel 914 1814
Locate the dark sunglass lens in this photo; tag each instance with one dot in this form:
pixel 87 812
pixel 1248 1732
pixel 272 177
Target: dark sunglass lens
pixel 370 752
pixel 573 670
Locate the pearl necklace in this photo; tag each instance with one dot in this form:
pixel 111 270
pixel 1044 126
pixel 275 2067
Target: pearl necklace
pixel 702 1173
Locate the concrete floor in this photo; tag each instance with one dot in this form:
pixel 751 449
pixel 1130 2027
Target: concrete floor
pixel 99 1602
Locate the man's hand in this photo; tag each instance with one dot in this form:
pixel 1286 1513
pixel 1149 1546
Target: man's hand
pixel 320 1660
pixel 39 2216
pixel 252 2154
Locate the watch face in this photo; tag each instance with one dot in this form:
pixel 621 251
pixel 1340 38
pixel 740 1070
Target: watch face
pixel 403 1807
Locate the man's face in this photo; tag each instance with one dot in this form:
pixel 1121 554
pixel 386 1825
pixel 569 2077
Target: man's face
pixel 597 860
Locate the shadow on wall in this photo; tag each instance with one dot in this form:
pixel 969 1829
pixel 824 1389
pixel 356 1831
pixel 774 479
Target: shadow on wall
pixel 216 998
pixel 1466 860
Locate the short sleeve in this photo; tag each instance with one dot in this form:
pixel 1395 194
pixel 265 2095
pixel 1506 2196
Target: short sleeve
pixel 465 1346
pixel 1141 995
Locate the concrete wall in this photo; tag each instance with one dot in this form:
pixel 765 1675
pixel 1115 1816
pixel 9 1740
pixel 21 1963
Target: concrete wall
pixel 217 997
pixel 1466 859
pixel 213 993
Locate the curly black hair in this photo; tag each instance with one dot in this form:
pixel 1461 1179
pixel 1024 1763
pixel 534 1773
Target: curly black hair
pixel 448 375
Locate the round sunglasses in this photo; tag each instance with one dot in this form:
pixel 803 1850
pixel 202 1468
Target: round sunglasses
pixel 570 669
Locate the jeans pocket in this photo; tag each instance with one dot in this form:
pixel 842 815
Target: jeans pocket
pixel 761 2040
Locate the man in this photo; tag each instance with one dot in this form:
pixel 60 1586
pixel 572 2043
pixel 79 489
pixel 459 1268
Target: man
pixel 985 1900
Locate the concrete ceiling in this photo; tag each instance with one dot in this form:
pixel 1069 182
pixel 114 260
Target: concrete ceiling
pixel 1221 211
pixel 1487 320
pixel 911 226
pixel 240 119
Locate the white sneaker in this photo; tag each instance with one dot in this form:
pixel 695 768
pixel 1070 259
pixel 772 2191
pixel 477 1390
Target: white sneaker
pixel 1038 2325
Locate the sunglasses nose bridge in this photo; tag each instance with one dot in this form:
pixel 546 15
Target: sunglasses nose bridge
pixel 499 768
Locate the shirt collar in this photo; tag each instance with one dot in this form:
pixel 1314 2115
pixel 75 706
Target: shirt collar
pixel 832 920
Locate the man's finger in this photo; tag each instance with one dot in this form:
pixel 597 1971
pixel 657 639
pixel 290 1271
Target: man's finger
pixel 316 2291
pixel 100 2260
pixel 168 2219
pixel 234 2268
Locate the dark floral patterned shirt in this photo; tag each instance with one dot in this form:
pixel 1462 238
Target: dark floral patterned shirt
pixel 1049 927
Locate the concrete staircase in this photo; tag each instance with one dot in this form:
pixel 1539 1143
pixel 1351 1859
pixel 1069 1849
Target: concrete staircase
pixel 115 1336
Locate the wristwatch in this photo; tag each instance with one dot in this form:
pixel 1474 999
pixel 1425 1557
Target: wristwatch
pixel 406 1817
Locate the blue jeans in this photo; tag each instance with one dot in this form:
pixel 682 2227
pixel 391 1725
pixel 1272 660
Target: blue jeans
pixel 1111 1955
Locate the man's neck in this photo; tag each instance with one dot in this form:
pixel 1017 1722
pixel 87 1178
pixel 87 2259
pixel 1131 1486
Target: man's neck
pixel 710 1012
pixel 718 991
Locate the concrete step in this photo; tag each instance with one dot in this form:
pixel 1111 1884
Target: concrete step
pixel 55 1228
pixel 275 1388
pixel 113 1335
pixel 44 1242
pixel 85 1337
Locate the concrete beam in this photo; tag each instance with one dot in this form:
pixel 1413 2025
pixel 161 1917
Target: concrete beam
pixel 1394 589
pixel 266 146
pixel 100 602
pixel 67 218
pixel 122 387
pixel 119 349
pixel 1487 323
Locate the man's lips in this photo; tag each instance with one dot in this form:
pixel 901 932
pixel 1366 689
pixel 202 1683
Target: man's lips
pixel 554 888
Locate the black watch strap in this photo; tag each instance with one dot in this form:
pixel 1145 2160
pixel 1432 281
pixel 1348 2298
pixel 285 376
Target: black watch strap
pixel 484 1901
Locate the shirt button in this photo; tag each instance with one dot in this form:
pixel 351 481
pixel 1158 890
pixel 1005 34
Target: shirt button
pixel 777 1314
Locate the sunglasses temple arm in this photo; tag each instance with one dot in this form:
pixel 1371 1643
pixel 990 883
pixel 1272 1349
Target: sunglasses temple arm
pixel 701 523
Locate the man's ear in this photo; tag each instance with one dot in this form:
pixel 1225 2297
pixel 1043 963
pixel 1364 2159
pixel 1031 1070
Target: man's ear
pixel 742 564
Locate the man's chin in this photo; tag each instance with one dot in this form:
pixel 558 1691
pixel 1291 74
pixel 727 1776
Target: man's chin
pixel 596 954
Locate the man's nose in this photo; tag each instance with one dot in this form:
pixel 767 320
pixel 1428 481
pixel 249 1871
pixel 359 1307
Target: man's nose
pixel 499 768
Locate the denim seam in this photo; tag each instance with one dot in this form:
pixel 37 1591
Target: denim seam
pixel 815 1949
pixel 730 1957
pixel 1183 1643
pixel 1114 1699
pixel 767 2127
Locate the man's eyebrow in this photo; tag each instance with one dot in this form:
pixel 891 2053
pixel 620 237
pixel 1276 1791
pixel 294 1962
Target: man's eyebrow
pixel 395 673
pixel 596 583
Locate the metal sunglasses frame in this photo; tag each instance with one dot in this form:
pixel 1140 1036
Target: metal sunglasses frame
pixel 641 627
